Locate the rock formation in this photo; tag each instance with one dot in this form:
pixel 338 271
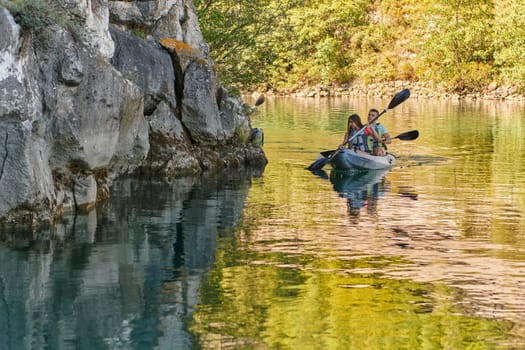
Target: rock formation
pixel 94 89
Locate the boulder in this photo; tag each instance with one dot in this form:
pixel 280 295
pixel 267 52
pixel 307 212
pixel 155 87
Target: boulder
pixel 147 66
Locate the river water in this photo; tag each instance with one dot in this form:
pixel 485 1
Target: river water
pixel 427 255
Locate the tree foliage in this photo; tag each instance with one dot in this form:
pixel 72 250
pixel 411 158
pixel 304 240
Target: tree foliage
pixel 243 36
pixel 509 43
pixel 461 44
pixel 459 49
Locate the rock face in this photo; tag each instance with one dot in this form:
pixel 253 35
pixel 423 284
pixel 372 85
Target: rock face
pixel 97 100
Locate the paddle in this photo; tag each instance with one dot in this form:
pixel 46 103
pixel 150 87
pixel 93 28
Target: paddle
pixel 259 101
pixel 251 109
pixel 406 136
pixel 399 98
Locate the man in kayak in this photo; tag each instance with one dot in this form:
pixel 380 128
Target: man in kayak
pixel 379 147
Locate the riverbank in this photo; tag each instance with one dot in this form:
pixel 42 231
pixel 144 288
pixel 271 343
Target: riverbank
pixel 422 90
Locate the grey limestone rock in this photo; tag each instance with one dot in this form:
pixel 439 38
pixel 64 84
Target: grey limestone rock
pixel 100 101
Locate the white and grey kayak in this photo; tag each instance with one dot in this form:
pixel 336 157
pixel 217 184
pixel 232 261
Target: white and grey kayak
pixel 348 159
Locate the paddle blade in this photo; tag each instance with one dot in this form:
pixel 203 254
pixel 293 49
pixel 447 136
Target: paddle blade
pixel 401 97
pixel 318 164
pixel 321 173
pixel 327 153
pixel 408 136
pixel 260 101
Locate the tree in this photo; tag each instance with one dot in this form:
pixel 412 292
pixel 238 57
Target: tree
pixel 242 36
pixel 292 42
pixel 510 41
pixel 458 49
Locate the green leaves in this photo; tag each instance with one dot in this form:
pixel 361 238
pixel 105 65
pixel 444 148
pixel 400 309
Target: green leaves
pixel 510 41
pixel 463 44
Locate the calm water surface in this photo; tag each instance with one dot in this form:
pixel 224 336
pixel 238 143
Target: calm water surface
pixel 427 255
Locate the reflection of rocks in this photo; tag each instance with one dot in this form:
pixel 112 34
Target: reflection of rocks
pixel 123 273
pixel 79 228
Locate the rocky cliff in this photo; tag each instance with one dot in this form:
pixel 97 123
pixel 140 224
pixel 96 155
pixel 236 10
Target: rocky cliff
pixel 93 89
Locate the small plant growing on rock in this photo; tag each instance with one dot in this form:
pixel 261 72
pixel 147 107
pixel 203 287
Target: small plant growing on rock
pixel 37 17
pixel 34 15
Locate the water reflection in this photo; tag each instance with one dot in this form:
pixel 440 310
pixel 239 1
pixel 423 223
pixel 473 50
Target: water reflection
pixel 125 275
pixel 277 262
pixel 454 211
pixel 360 188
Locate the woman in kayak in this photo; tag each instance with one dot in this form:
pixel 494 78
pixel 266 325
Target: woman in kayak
pixel 364 140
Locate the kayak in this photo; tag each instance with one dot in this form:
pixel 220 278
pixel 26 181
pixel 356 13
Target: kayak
pixel 347 159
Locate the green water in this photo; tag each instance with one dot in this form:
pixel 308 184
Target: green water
pixel 428 255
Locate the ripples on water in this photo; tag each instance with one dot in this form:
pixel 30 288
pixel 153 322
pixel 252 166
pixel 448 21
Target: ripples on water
pixel 452 213
pixel 430 254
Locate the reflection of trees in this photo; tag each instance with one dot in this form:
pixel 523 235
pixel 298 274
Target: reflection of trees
pixel 289 303
pixel 121 275
pixel 483 177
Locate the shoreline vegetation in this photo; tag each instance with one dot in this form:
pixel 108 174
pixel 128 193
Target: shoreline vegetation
pixel 422 90
pixel 464 50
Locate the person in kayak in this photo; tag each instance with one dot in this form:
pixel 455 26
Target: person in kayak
pixel 364 141
pixel 378 145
